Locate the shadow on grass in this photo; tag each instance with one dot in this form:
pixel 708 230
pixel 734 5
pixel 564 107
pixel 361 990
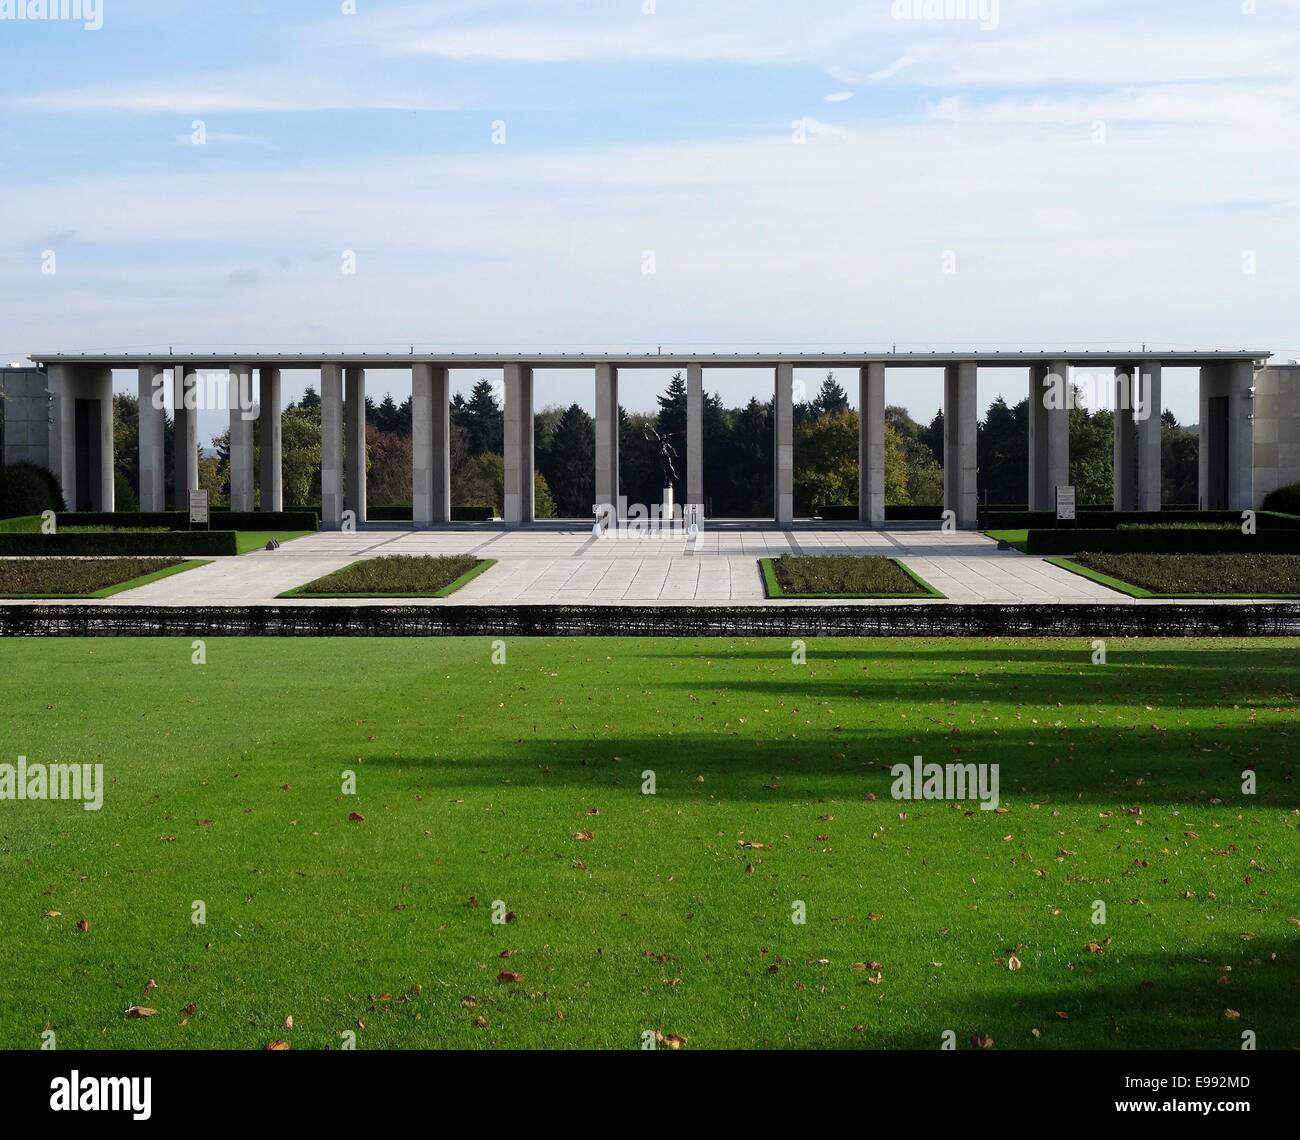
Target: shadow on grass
pixel 1038 763
pixel 1069 651
pixel 1168 1000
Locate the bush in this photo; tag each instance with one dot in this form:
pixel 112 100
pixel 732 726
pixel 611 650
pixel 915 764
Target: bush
pixel 124 494
pixel 48 577
pixel 991 519
pixel 913 513
pixel 180 520
pixel 1157 541
pixel 1284 499
pixel 26 489
pixel 120 543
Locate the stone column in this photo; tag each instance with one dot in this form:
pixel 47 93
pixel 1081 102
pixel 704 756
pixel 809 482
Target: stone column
pixel 440 483
pixel 272 464
pixel 518 506
pixel 150 387
pixel 1227 473
pixel 354 458
pixel 783 431
pixel 695 436
pixel 63 431
pixel 607 435
pixel 331 446
pixel 1277 428
pixel 239 401
pixel 960 465
pixel 185 434
pixel 430 446
pixel 102 381
pixel 1137 438
pixel 871 444
pixel 1049 433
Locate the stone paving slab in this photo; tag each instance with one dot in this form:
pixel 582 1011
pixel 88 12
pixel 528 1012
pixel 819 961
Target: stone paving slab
pixel 570 567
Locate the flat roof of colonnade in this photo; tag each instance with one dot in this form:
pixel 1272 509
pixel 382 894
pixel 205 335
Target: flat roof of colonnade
pixel 489 359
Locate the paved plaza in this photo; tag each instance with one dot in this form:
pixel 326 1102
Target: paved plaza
pixel 553 566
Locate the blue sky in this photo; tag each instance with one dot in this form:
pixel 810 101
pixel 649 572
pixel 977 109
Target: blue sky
pixel 1099 173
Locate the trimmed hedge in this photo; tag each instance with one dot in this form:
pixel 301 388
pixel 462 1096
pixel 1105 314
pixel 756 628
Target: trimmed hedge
pixel 402 512
pixel 180 520
pixel 120 543
pixel 1172 541
pixel 913 513
pixel 1099 520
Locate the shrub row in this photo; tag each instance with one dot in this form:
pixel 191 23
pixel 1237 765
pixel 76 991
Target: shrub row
pixel 120 542
pixel 401 512
pixel 1174 541
pixel 180 520
pixel 1029 520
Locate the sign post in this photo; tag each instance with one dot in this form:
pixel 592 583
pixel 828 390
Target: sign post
pixel 199 509
pixel 1065 508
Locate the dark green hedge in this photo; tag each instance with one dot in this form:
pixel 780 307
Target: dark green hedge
pixel 1068 541
pixel 401 512
pixel 1284 499
pixel 180 520
pixel 26 489
pixel 913 513
pixel 120 543
pixel 1106 520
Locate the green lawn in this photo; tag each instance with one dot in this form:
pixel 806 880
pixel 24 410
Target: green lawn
pixel 1014 538
pixel 248 540
pixel 1121 783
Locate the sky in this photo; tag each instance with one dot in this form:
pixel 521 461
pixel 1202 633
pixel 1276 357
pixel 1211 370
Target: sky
pixel 629 174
